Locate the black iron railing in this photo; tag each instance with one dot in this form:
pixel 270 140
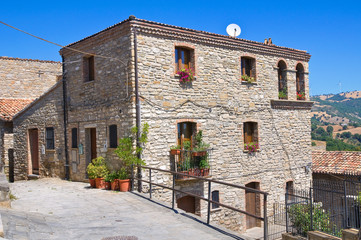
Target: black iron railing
pixel 208 199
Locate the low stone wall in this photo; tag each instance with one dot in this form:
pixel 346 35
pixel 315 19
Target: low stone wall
pixel 4 191
pixel 347 234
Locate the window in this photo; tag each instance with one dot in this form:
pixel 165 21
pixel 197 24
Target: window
pixel 183 58
pixel 74 138
pixel 49 135
pixel 113 137
pixel 248 67
pixel 300 82
pixel 88 68
pixel 186 130
pixel 282 80
pixel 289 190
pixel 250 132
pixel 215 197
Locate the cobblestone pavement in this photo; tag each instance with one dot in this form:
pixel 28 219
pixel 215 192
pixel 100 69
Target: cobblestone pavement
pixel 58 209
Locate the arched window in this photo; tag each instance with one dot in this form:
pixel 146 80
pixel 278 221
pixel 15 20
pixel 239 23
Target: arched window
pixel 300 82
pixel 282 80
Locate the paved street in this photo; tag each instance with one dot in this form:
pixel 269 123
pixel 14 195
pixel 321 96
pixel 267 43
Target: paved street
pixel 57 209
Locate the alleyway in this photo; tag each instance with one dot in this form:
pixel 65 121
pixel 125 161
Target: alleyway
pixel 57 209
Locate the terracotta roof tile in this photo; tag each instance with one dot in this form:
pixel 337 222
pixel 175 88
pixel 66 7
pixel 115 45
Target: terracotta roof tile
pixel 336 162
pixel 27 59
pixel 10 107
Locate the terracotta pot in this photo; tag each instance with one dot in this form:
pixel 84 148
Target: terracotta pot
pixel 92 182
pixel 205 172
pixel 99 183
pixel 175 152
pixel 124 185
pixel 199 154
pixel 107 185
pixel 115 185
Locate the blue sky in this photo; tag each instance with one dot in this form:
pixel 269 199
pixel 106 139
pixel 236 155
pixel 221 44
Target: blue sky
pixel 330 31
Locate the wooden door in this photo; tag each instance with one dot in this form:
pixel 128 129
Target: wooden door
pixel 34 150
pixel 187 203
pixel 252 205
pixel 93 143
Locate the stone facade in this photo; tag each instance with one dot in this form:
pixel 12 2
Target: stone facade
pixel 45 112
pixel 217 101
pixel 27 78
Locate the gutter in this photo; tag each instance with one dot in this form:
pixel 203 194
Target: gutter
pixel 65 122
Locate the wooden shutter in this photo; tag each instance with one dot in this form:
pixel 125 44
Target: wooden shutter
pixel 243 66
pixel 74 138
pixel 113 138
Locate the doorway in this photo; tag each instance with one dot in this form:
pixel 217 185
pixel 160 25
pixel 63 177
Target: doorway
pixel 253 206
pixel 34 151
pixel 187 203
pixel 91 145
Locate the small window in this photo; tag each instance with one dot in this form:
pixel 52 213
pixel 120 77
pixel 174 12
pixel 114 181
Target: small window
pixel 113 137
pixel 74 138
pixel 282 80
pixel 49 138
pixel 250 132
pixel 186 131
pixel 300 82
pixel 88 69
pixel 215 197
pixel 248 68
pixel 289 190
pixel 183 58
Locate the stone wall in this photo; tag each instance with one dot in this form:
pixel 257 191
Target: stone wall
pixel 105 101
pixel 219 102
pixel 27 78
pixel 47 111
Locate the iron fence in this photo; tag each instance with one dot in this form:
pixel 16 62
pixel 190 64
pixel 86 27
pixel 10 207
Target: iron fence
pixel 208 198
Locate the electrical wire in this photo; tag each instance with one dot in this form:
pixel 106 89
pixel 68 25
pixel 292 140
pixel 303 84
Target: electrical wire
pixel 59 45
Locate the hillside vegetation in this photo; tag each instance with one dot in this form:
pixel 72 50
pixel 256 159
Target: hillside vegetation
pixel 336 120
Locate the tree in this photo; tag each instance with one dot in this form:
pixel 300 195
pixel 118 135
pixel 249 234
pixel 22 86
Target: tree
pixel 346 135
pixel 344 127
pixel 330 130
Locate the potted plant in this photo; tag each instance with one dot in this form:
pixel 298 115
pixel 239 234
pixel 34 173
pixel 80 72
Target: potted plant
pixel 113 179
pixel 123 180
pixel 282 94
pixel 251 147
pixel 201 147
pixel 175 150
pixel 301 96
pixel 248 79
pixel 91 174
pixel 107 182
pixel 100 171
pixel 204 166
pixel 128 152
pixel 184 167
pixel 186 75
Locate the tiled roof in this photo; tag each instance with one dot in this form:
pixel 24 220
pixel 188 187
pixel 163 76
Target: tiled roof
pixel 27 59
pixel 10 107
pixel 336 162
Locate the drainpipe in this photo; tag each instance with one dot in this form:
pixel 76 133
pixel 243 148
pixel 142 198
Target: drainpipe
pixel 137 103
pixel 65 122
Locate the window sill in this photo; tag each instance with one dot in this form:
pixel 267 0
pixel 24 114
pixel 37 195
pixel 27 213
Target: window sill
pixel 247 151
pixel 49 150
pixel 248 83
pixel 88 82
pixel 178 76
pixel 291 104
pixel 216 210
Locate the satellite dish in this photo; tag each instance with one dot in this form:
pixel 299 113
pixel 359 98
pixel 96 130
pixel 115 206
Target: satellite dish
pixel 233 30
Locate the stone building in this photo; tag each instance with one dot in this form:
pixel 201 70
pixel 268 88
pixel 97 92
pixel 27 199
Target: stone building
pixel 271 109
pixel 22 81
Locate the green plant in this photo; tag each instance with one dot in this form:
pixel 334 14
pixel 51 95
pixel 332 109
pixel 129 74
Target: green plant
pixel 123 173
pixel 282 94
pixel 251 147
pixel 110 177
pixel 175 147
pixel 313 144
pixel 301 96
pixel 128 152
pixel 187 145
pixel 200 145
pixel 247 79
pixel 185 165
pixel 186 75
pixel 97 168
pixel 12 197
pixel 300 216
pixel 203 164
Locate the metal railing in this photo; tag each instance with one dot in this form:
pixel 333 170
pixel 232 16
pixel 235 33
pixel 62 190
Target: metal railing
pixel 208 199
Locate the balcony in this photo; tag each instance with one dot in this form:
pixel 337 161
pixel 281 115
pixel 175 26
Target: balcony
pixel 193 163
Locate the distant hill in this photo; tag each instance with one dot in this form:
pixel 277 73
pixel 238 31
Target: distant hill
pixel 343 108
